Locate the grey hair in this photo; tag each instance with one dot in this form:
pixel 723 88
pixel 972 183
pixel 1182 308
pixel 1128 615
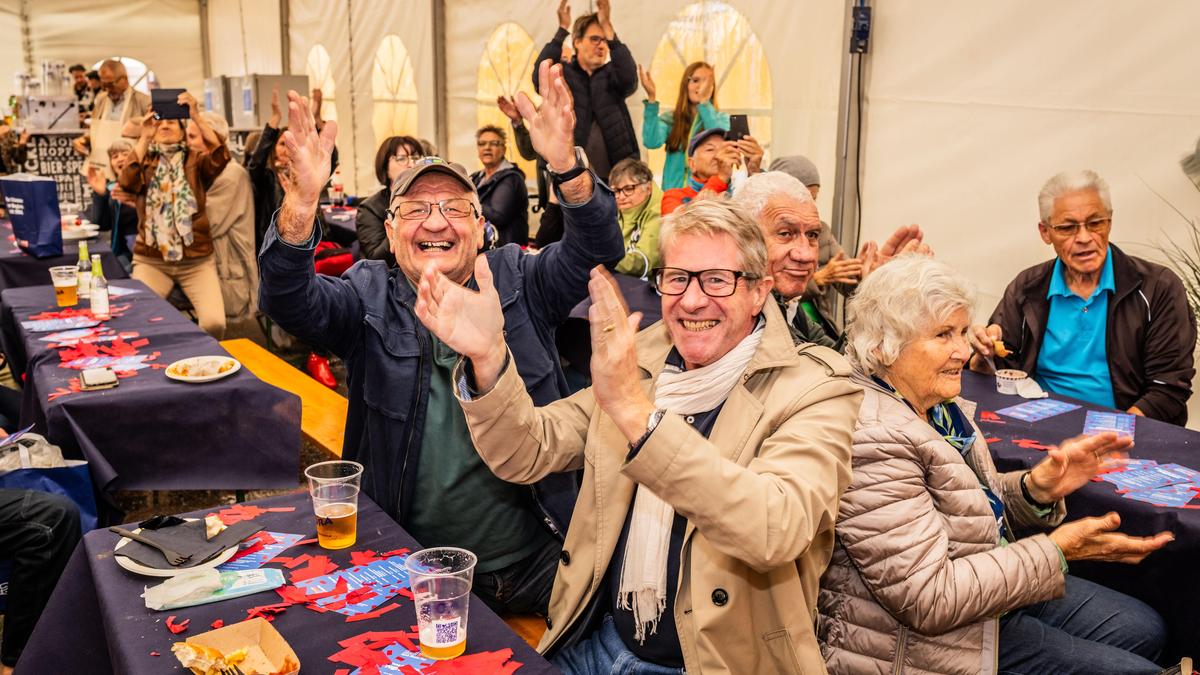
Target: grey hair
pixel 712 217
pixel 113 66
pixel 120 145
pixel 898 302
pixel 1071 181
pixel 217 123
pixel 761 187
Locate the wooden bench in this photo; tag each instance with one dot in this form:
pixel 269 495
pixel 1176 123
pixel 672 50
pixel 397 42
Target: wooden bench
pixel 323 411
pixel 529 626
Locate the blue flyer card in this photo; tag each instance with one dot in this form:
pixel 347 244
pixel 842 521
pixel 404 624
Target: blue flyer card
pixel 384 577
pixel 1033 411
pixel 1175 496
pixel 1098 422
pixel 255 560
pixel 67 323
pixel 1152 477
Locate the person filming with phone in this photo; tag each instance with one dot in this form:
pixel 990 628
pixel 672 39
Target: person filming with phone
pixel 171 168
pixel 714 160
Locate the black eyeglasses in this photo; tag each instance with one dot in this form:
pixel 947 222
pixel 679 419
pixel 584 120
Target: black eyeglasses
pixel 490 144
pixel 416 210
pixel 715 283
pixel 628 190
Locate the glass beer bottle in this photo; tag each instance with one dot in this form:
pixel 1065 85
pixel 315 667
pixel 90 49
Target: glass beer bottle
pixel 84 280
pixel 99 292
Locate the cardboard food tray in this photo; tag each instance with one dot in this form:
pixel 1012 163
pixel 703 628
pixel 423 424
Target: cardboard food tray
pixel 267 653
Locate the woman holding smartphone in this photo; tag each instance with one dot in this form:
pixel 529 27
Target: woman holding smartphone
pixel 695 111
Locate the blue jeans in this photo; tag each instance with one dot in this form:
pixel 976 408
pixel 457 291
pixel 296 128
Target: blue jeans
pixel 1091 629
pixel 603 653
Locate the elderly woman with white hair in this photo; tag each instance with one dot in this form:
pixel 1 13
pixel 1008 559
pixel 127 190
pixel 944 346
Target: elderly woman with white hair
pixel 928 574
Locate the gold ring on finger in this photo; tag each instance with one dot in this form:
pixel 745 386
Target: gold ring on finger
pixel 610 328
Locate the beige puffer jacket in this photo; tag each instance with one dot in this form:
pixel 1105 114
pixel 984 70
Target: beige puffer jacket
pixel 917 581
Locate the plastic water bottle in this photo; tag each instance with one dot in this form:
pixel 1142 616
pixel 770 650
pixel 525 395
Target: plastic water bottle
pixel 337 189
pixel 99 291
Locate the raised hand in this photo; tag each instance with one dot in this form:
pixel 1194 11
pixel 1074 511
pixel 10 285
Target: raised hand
pixel 728 158
pixel 615 381
pixel 552 125
pixel 647 83
pixel 1072 464
pixel 751 150
pixel 604 15
pixel 564 15
pixel 903 238
pixel 187 100
pixel 96 180
pixel 509 108
pixel 149 126
pixel 1097 539
pixel 276 114
pixel 839 270
pixel 318 98
pixel 310 152
pixel 469 322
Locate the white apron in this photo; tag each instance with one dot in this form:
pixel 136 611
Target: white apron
pixel 103 132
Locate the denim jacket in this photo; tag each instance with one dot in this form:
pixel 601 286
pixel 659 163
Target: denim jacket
pixel 366 317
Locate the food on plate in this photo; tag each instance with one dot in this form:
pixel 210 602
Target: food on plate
pixel 212 527
pixel 202 367
pixel 203 660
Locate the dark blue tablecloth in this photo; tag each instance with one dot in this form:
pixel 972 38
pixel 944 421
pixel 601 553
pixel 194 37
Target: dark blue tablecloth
pixel 1167 580
pixel 17 269
pixel 150 432
pixel 97 623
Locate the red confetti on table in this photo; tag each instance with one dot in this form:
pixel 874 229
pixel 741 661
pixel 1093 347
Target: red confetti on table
pixel 239 512
pixel 1029 444
pixel 303 542
pixel 364 557
pixel 991 439
pixel 268 612
pixel 989 416
pixel 155 654
pixel 177 628
pixel 219 623
pixel 155 319
pixel 318 566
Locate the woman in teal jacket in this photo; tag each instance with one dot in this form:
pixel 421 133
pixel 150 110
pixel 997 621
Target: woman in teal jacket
pixel 695 111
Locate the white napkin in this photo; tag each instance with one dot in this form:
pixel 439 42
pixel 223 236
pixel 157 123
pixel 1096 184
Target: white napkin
pixel 1029 388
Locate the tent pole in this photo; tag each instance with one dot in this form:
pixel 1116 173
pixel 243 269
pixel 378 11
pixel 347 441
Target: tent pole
pixel 846 217
pixel 26 37
pixel 205 50
pixel 285 39
pixel 441 105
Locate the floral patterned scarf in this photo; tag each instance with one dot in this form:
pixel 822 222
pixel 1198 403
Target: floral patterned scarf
pixel 170 202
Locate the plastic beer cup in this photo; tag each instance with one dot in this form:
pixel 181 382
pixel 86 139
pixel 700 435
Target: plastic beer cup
pixel 334 489
pixel 66 285
pixel 441 579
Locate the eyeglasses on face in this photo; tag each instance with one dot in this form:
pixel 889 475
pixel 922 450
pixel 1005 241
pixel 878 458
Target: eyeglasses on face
pixel 1069 228
pixel 418 210
pixel 490 144
pixel 715 283
pixel 403 159
pixel 596 40
pixel 628 190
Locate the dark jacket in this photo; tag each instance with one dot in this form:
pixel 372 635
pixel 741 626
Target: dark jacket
pixel 119 220
pixel 1150 338
pixel 268 193
pixel 505 201
pixel 600 96
pixel 369 228
pixel 366 317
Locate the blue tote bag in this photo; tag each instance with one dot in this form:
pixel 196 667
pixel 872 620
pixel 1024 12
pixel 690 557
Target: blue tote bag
pixel 32 203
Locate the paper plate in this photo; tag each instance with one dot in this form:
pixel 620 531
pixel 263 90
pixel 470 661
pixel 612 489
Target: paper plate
pixel 77 233
pixel 172 370
pixel 138 568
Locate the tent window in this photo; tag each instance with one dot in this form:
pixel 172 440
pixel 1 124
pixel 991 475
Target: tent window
pixel 506 68
pixel 714 32
pixel 395 92
pixel 319 69
pixel 140 76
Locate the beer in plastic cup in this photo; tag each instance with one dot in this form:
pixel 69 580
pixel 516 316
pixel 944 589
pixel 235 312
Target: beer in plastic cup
pixel 441 579
pixel 66 285
pixel 334 489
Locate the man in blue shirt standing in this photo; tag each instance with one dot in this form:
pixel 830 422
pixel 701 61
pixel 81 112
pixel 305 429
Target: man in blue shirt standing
pixel 1094 324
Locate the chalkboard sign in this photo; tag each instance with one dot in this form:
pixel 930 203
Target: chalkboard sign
pixel 51 155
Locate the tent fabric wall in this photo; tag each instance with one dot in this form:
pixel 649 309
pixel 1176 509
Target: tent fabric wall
pixel 164 34
pixel 12 54
pixel 972 106
pixel 806 85
pixel 352 30
pixel 243 37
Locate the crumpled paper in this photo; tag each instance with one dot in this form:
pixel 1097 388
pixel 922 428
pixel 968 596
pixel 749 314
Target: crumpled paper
pixel 183 590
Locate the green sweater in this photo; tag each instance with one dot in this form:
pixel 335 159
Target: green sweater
pixel 645 217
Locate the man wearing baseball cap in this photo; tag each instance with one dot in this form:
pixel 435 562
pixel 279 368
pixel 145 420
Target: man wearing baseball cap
pixel 711 160
pixel 404 424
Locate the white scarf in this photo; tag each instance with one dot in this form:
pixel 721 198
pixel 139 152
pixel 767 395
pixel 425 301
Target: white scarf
pixel 643 588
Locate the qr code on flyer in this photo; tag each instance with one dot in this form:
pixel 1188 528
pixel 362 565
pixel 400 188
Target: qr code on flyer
pixel 445 632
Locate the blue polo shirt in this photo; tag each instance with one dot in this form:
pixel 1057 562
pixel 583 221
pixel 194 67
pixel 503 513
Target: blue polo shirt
pixel 1073 358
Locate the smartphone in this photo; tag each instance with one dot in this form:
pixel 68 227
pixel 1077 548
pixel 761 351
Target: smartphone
pixel 739 126
pixel 165 104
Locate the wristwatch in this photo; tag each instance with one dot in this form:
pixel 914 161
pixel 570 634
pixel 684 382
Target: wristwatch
pixel 581 165
pixel 651 425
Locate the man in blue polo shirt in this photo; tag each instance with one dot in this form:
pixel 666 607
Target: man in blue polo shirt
pixel 1095 323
